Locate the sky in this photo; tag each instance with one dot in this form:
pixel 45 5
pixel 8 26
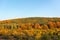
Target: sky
pixel 10 9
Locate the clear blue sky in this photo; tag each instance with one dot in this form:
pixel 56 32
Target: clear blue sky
pixel 29 8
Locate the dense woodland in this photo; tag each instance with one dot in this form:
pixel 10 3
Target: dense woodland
pixel 35 28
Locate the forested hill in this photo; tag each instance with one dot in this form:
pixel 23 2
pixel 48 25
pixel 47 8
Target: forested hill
pixel 34 22
pixel 35 28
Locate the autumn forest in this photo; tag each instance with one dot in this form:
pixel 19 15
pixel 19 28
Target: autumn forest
pixel 34 28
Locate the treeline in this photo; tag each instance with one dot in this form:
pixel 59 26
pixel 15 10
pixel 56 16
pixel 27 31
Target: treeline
pixel 48 25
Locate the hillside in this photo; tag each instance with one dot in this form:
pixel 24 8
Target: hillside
pixel 33 28
pixel 41 21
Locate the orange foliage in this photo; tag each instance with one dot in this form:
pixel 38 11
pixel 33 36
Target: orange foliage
pixel 58 24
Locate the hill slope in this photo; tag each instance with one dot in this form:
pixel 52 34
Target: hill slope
pixel 39 21
pixel 36 28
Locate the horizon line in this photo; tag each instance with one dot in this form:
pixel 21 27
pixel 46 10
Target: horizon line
pixel 29 17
